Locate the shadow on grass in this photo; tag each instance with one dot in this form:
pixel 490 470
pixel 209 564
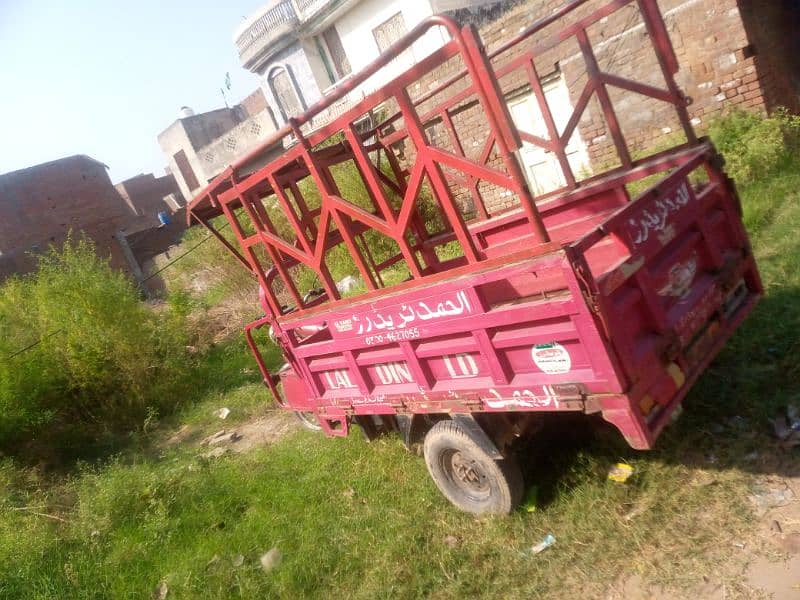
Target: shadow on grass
pixel 726 419
pixel 230 365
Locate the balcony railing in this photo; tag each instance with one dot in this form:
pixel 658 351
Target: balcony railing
pixel 277 21
pixel 308 8
pixel 265 29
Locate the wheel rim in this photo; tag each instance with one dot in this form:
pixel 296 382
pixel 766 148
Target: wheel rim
pixel 308 420
pixel 466 474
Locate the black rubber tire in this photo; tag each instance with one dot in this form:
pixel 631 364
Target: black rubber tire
pixel 468 476
pixel 308 420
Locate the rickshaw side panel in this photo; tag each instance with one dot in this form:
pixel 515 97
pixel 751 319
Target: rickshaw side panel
pixel 508 337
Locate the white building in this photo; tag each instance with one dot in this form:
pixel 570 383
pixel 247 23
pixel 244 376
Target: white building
pixel 197 147
pixel 302 49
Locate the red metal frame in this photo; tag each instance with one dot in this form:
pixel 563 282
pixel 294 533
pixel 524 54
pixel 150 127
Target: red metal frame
pixel 231 190
pixel 551 305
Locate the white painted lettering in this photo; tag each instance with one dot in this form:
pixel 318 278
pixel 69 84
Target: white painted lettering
pixel 465 366
pixel 395 372
pixel 338 379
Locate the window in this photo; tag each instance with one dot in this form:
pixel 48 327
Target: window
pixel 189 178
pixel 388 32
pixel 339 66
pixel 286 94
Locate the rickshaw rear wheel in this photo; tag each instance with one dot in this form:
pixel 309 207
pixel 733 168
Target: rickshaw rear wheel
pixel 467 476
pixel 308 420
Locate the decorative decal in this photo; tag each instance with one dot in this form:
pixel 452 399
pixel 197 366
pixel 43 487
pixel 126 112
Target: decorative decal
pixel 523 399
pixel 680 278
pixel 553 358
pixel 344 325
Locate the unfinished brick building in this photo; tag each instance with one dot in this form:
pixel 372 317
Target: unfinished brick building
pixel 40 205
pixel 144 194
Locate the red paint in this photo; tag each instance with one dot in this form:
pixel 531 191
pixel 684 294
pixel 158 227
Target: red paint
pixel 584 300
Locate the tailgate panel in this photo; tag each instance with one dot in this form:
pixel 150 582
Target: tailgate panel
pixel 678 291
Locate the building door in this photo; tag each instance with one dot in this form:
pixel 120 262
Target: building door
pixel 340 64
pixel 186 171
pixel 541 167
pixel 285 92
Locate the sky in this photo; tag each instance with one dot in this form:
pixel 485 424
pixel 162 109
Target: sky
pixel 104 78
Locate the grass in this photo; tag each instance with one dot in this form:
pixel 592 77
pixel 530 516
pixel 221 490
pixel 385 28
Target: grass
pixel 134 525
pixel 97 362
pixel 364 520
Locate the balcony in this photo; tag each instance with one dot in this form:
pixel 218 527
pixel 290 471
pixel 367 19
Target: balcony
pixel 261 35
pixel 278 23
pixel 308 8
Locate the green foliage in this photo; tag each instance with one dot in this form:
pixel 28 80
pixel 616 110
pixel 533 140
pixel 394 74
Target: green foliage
pixel 755 146
pixel 357 520
pixel 105 361
pixel 209 272
pixel 363 520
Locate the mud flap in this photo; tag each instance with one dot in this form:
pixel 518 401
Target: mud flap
pixel 621 413
pixel 334 425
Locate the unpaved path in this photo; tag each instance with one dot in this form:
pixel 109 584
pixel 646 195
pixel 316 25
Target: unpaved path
pixel 776 568
pixel 767 565
pixel 261 430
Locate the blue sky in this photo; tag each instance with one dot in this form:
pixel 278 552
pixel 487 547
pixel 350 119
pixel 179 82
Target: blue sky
pixel 103 78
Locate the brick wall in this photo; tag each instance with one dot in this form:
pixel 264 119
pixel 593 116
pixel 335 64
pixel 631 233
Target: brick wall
pixel 147 243
pixel 254 103
pixel 144 193
pixel 772 28
pixel 709 37
pixel 41 204
pixel 718 70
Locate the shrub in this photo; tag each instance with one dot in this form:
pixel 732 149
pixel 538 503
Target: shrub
pixel 105 362
pixel 755 146
pixel 209 272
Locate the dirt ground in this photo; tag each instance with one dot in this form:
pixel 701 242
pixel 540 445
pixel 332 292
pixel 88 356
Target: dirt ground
pixel 261 430
pixel 776 569
pixel 767 565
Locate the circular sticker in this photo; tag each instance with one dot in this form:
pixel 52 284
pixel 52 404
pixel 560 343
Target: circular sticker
pixel 553 358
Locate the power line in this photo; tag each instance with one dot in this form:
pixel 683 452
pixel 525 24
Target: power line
pixel 172 262
pixel 189 251
pixel 167 266
pixel 36 343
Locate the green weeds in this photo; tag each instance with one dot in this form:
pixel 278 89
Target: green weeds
pixel 99 361
pixel 754 146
